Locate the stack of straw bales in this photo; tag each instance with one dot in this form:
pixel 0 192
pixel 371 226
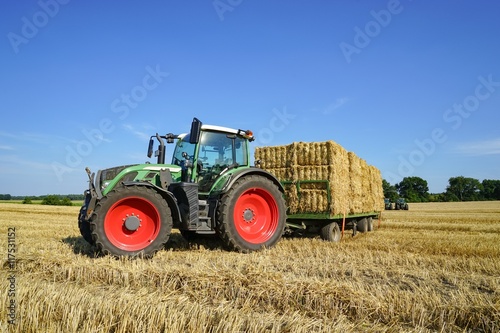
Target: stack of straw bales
pixel 355 186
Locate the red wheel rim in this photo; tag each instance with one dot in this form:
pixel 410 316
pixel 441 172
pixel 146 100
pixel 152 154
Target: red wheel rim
pixel 256 216
pixel 137 210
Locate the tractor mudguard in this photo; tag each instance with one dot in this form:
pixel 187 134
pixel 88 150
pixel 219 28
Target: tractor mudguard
pixel 168 196
pixel 251 171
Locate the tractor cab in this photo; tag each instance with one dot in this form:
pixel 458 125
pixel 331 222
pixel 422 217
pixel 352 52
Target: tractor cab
pixel 214 151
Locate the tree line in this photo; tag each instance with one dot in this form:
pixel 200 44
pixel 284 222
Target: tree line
pixel 49 199
pixel 415 189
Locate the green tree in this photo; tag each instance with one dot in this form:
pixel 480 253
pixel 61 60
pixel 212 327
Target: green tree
pixel 51 200
pixel 389 190
pixel 464 188
pixel 66 202
pixel 414 189
pixel 27 201
pixel 491 189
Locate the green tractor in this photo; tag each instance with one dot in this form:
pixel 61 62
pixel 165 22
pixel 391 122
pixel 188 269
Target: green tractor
pixel 401 204
pixel 209 188
pixel 388 204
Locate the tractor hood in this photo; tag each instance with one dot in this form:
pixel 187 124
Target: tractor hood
pixel 107 179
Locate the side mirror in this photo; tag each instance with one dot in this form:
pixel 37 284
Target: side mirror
pixel 150 148
pixel 194 135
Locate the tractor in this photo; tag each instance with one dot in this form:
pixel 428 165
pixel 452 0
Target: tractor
pixel 388 204
pixel 208 188
pixel 401 204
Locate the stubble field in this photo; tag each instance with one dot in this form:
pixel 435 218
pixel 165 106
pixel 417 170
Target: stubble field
pixel 434 268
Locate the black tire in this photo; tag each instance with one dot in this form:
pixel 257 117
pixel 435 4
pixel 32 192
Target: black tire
pixel 331 232
pixel 406 207
pixel 362 225
pixel 131 221
pixel 84 226
pixel 251 214
pixel 369 222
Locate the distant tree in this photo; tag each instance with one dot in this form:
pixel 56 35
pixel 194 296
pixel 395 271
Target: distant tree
pixel 27 201
pixel 76 196
pixel 413 189
pixel 5 197
pixel 464 188
pixel 437 197
pixel 448 196
pixel 52 200
pixel 56 200
pixel 491 189
pixel 389 190
pixel 66 202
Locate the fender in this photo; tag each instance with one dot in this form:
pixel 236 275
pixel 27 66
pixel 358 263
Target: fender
pixel 168 196
pixel 251 171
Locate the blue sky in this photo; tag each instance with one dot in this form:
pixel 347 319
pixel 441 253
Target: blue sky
pixel 413 87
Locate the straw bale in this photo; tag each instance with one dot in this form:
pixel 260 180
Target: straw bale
pixel 309 172
pixel 377 192
pixel 275 156
pixel 292 198
pixel 356 188
pixel 313 201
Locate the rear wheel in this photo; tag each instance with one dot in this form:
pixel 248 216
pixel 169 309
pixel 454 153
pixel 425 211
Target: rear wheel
pixel 362 225
pixel 131 221
pixel 369 222
pixel 331 232
pixel 252 214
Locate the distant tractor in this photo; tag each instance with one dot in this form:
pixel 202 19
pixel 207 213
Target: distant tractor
pixel 388 204
pixel 401 204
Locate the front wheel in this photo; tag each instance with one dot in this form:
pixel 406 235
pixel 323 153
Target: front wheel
pixel 84 226
pixel 251 215
pixel 131 221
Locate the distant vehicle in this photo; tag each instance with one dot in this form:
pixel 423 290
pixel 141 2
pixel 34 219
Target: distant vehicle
pixel 401 204
pixel 388 204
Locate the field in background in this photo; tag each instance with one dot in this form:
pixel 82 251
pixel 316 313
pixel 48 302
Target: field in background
pixel 432 268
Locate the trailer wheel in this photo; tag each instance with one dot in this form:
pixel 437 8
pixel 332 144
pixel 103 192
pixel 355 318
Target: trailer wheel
pixel 84 226
pixel 251 215
pixel 362 225
pixel 369 222
pixel 131 221
pixel 331 232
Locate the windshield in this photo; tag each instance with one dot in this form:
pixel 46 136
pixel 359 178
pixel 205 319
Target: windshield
pixel 217 151
pixel 220 150
pixel 183 146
